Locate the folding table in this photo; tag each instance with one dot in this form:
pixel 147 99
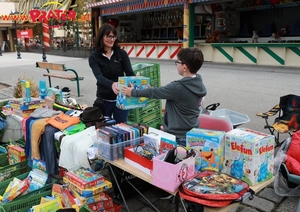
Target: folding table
pixel 143 176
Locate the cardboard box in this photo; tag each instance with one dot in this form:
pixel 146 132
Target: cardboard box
pixel 249 155
pixel 139 83
pixel 18 103
pixel 22 113
pixel 209 147
pixel 55 94
pixel 105 203
pixel 85 178
pixel 169 176
pixel 87 200
pixel 138 161
pixel 89 192
pixel 16 154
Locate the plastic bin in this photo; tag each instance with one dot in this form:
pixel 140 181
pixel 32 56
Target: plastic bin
pixel 47 187
pixel 22 205
pixel 3 160
pixel 14 170
pixel 235 118
pixel 115 151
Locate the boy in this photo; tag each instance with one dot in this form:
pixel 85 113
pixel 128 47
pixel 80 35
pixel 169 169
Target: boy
pixel 182 96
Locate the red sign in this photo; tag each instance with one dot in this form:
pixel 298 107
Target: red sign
pixel 25 33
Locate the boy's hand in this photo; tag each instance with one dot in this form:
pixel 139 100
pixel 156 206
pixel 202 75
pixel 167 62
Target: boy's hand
pixel 127 90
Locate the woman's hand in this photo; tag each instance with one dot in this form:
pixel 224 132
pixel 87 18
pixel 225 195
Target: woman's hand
pixel 115 88
pixel 127 90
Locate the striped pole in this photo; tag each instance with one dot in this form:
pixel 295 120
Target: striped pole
pixel 186 27
pixel 46 35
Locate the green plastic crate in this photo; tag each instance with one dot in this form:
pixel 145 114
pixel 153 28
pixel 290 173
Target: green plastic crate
pixel 3 160
pixel 4 184
pixel 22 205
pixel 85 208
pixel 14 170
pixel 151 70
pixel 24 202
pixel 48 186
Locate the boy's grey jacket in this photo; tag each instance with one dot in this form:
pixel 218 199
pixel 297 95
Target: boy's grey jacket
pixel 183 98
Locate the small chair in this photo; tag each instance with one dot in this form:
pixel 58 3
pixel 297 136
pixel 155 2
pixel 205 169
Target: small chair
pixel 214 123
pixel 288 120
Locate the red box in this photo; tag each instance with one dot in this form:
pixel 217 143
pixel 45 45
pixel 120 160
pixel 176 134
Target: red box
pixel 85 178
pixel 106 204
pixel 138 161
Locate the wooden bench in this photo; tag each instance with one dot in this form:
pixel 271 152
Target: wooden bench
pixel 59 71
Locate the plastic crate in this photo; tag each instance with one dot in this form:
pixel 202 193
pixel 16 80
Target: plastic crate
pixel 153 103
pixel 4 184
pixel 85 208
pixel 22 205
pixel 114 151
pixel 3 160
pixel 14 170
pixel 151 70
pixel 235 118
pixel 47 187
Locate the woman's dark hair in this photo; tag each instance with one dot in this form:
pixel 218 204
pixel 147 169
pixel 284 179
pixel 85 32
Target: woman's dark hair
pixel 192 57
pixel 105 29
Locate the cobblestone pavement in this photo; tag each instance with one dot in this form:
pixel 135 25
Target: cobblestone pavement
pixel 255 85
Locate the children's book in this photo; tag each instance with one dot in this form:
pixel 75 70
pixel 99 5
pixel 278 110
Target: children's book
pixel 122 132
pixel 152 141
pixel 51 206
pixel 166 145
pixel 104 136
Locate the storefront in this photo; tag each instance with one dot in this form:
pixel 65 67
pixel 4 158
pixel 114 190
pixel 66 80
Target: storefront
pixel 157 29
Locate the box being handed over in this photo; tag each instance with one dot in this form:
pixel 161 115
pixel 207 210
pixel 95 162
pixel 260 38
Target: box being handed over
pixel 249 155
pixel 139 83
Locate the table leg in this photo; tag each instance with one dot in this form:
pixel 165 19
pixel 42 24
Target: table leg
pixel 114 176
pixel 298 207
pixel 141 194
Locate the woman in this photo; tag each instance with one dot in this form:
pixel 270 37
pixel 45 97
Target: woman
pixel 108 62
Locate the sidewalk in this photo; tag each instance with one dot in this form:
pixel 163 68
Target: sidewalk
pixel 247 89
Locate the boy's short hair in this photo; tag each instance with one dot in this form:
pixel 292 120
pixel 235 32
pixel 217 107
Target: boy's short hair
pixel 192 57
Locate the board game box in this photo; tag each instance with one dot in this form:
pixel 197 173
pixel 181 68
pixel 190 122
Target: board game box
pixel 85 178
pixel 139 83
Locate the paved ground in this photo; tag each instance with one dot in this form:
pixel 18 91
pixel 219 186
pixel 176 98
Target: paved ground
pixel 242 88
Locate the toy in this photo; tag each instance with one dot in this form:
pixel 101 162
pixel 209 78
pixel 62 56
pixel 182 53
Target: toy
pixel 249 155
pixel 138 83
pixel 209 148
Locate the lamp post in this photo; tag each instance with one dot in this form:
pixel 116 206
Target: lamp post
pixel 44 57
pixel 17 42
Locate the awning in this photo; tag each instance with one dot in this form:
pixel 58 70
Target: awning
pixel 156 3
pixel 104 3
